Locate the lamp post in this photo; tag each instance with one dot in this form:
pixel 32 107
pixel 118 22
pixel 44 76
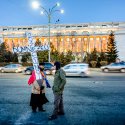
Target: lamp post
pixel 49 14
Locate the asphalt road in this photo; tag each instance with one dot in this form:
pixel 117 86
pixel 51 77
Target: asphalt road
pixel 96 100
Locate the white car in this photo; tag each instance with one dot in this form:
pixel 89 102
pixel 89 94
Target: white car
pixel 114 67
pixel 12 68
pixel 76 69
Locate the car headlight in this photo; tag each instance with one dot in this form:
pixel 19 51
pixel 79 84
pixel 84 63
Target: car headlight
pixel 102 67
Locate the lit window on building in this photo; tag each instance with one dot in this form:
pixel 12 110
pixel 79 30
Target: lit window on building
pixel 44 40
pixel 67 39
pixel 73 39
pixel 91 38
pixel 79 39
pixel 85 39
pixel 61 39
pixel 98 38
pixel 104 38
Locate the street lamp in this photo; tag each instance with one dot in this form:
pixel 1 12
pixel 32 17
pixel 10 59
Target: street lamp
pixel 49 14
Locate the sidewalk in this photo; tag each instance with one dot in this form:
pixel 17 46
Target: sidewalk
pixel 95 69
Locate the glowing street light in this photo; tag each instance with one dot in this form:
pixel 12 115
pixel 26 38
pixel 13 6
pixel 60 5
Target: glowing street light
pixel 49 14
pixel 35 4
pixel 62 11
pixel 58 4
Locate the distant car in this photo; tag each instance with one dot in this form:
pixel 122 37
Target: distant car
pixel 114 67
pixel 28 70
pixel 76 69
pixel 12 68
pixel 48 67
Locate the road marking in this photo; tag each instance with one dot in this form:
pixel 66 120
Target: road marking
pixel 23 118
pixel 97 82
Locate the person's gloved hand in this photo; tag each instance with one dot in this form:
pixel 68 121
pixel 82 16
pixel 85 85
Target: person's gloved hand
pixel 41 87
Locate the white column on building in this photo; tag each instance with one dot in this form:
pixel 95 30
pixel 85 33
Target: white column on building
pixel 95 42
pixel 101 44
pixel 62 40
pixel 63 43
pixel 106 43
pixel 88 45
pixel 81 39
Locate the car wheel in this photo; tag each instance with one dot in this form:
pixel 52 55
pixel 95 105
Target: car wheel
pixel 28 72
pixel 82 74
pixel 106 70
pixel 122 70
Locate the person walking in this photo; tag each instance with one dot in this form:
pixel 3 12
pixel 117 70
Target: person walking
pixel 58 88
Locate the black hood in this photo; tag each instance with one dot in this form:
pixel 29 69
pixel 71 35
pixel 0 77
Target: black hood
pixel 58 65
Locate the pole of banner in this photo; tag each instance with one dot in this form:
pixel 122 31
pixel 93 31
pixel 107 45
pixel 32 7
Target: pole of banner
pixel 49 19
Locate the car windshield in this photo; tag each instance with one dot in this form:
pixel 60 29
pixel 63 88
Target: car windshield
pixel 75 66
pixel 46 64
pixel 8 66
pixel 83 66
pixel 114 64
pixel 117 64
pixel 66 67
pixel 14 65
pixel 122 63
pixel 31 67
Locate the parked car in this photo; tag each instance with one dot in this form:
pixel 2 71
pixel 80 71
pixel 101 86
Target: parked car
pixel 28 70
pixel 76 69
pixel 48 67
pixel 12 68
pixel 114 67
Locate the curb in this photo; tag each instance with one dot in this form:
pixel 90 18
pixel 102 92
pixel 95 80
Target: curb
pixel 94 69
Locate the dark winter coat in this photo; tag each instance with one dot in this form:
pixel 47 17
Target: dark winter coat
pixel 59 81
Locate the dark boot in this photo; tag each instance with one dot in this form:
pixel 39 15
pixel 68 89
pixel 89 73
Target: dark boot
pixel 34 109
pixel 40 108
pixel 52 117
pixel 61 113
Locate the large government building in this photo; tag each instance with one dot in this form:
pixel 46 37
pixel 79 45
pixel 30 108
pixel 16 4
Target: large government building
pixel 79 38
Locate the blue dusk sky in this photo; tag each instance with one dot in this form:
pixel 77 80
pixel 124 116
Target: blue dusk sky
pixel 20 12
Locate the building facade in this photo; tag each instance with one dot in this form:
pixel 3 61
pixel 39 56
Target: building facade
pixel 79 38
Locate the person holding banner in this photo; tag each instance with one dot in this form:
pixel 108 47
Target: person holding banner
pixel 38 97
pixel 44 100
pixel 36 78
